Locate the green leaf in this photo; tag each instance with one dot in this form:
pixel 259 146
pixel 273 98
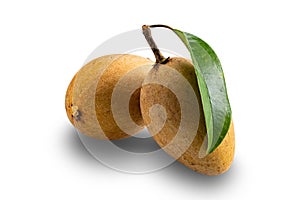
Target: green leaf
pixel 212 87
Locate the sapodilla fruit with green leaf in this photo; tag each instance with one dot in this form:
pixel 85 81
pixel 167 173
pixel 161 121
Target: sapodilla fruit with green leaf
pixel 89 98
pixel 210 151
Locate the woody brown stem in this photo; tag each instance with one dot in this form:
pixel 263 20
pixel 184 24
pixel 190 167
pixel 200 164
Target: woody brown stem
pixel 160 59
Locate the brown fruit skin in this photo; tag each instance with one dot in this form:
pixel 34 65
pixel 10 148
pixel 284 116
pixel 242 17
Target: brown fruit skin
pixel 88 100
pixel 215 163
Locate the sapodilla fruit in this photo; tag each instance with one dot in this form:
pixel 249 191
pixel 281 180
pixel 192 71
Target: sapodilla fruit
pixel 103 98
pixel 165 125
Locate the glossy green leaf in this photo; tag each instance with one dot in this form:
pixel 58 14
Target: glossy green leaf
pixel 212 87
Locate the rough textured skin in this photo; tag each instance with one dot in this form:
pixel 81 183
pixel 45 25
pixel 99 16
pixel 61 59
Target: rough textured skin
pixel 68 100
pixel 215 163
pixel 88 100
pixel 134 107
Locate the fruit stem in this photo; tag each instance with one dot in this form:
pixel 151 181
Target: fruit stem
pixel 160 59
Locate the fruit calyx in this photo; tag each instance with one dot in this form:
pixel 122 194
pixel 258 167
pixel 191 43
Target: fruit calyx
pixel 160 59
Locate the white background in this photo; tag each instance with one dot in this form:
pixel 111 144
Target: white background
pixel 42 45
